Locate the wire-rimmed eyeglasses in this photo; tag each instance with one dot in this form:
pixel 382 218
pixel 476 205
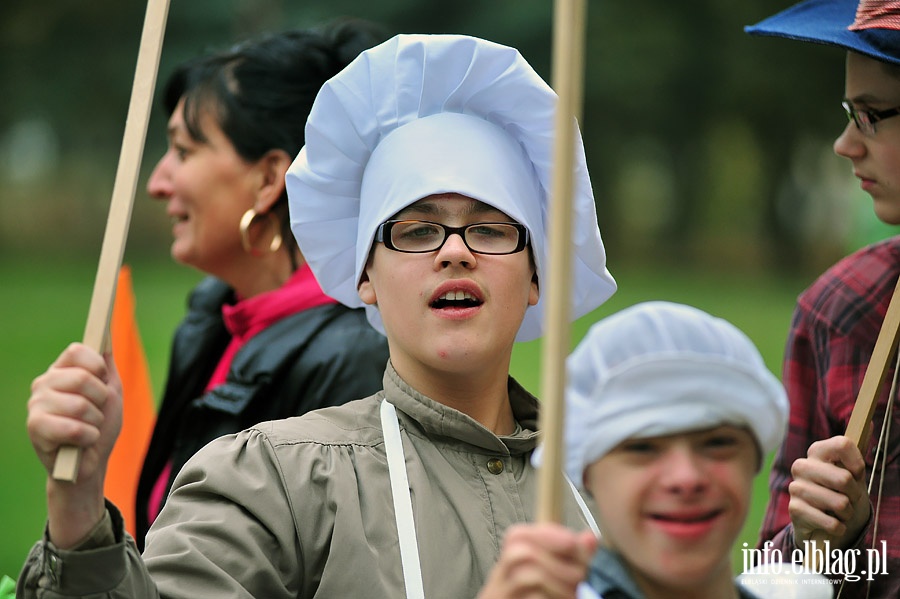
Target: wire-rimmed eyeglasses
pixel 420 236
pixel 865 119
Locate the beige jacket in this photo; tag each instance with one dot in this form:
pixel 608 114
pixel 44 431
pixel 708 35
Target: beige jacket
pixel 302 508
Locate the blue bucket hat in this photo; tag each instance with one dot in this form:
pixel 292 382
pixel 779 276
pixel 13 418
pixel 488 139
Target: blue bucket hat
pixel 869 27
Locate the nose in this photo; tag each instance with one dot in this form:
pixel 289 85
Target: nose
pixel 682 471
pixel 850 143
pixel 454 251
pixel 159 185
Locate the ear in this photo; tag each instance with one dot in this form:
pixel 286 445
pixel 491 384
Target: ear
pixel 272 168
pixel 366 290
pixel 534 294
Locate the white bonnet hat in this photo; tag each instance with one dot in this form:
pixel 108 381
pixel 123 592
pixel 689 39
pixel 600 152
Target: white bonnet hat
pixel 426 114
pixel 659 368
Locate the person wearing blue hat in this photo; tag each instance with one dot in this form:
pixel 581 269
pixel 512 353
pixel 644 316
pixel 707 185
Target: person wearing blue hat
pixel 670 412
pixel 819 478
pixel 422 194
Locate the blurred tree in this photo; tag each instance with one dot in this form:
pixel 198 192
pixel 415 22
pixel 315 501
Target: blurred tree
pixel 687 70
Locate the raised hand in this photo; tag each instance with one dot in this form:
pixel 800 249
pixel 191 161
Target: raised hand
pixel 540 561
pixel 828 494
pixel 76 402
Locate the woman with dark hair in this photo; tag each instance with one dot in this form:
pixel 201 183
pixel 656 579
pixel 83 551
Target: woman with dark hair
pixel 260 340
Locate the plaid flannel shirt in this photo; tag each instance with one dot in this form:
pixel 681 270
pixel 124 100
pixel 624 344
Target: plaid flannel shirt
pixel 834 327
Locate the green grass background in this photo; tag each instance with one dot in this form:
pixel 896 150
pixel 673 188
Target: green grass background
pixel 44 307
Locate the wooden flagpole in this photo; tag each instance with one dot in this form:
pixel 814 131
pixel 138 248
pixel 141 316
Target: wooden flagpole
pixel 96 330
pixel 885 347
pixel 568 73
pixel 858 429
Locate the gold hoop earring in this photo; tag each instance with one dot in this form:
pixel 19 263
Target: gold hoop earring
pixel 247 221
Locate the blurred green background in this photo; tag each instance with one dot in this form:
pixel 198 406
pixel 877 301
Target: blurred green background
pixel 710 155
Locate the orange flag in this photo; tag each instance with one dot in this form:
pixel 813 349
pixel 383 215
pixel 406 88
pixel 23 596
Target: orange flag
pixel 139 408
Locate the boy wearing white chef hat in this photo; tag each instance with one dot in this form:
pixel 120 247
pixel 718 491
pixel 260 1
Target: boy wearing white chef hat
pixel 670 413
pixel 421 193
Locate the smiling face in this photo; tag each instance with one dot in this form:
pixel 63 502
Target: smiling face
pixel 674 505
pixel 449 311
pixel 871 85
pixel 207 188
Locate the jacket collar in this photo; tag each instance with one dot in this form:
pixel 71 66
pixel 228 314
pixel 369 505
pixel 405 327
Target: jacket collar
pixel 435 419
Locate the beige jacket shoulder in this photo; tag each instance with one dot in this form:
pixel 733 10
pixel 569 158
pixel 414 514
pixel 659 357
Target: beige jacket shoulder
pixel 303 508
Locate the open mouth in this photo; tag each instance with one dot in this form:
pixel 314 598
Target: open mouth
pixel 456 299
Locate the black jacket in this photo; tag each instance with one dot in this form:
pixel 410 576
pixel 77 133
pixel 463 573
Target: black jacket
pixel 320 357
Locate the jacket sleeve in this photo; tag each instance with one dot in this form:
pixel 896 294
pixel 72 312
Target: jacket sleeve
pixel 227 529
pixel 112 571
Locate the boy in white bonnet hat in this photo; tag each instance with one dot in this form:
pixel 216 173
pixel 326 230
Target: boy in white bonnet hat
pixel 669 415
pixel 422 194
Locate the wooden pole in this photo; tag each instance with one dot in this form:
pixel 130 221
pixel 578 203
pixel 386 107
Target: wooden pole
pixel 96 330
pixel 568 73
pixel 858 429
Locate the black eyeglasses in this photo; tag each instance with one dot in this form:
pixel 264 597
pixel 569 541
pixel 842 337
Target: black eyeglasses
pixel 420 236
pixel 865 119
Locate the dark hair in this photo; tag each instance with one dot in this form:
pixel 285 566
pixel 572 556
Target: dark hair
pixel 260 91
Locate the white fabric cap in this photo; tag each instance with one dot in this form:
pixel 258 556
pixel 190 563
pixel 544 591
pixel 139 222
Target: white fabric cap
pixel 659 368
pixel 426 114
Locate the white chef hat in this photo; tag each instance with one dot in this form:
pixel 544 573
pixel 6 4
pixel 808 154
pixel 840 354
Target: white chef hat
pixel 660 368
pixel 426 114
